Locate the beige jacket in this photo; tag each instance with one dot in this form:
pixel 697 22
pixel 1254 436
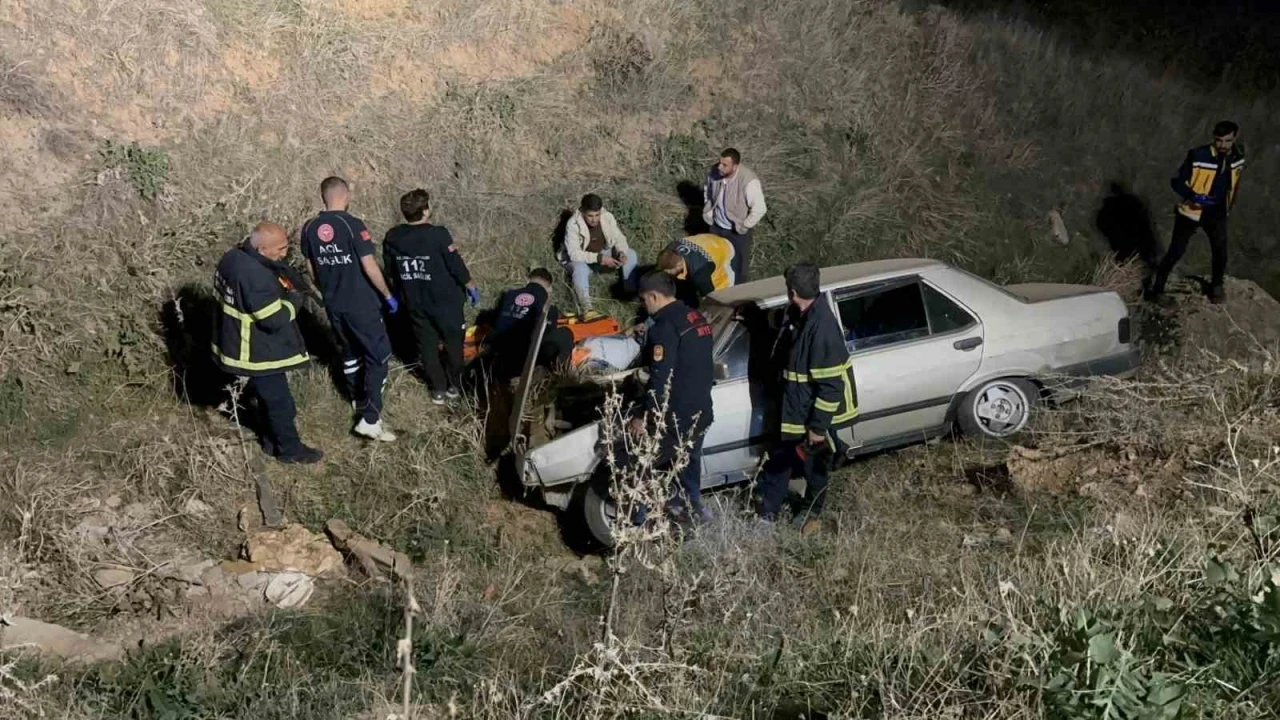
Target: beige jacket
pixel 742 196
pixel 577 236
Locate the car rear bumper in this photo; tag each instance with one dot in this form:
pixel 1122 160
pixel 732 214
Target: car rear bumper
pixel 1122 365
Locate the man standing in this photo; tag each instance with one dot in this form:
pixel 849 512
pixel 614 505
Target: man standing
pixel 1207 183
pixel 593 241
pixel 700 264
pixel 433 282
pixel 255 335
pixel 678 353
pixel 513 328
pixel 818 398
pixel 733 205
pixel 340 250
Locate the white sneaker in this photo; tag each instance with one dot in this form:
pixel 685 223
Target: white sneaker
pixel 374 431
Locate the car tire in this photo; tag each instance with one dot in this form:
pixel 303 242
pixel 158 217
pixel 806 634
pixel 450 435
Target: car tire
pixel 998 409
pixel 597 512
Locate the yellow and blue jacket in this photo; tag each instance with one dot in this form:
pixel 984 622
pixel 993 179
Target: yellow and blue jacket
pixel 1205 171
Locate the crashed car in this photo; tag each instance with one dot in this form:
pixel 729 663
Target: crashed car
pixel 934 349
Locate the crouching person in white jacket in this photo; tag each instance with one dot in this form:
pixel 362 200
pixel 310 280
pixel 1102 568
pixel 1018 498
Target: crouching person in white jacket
pixel 593 242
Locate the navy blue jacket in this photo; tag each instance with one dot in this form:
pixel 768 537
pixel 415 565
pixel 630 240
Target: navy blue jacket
pixel 678 352
pixel 255 332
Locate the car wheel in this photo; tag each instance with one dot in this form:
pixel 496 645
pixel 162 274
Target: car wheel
pixel 998 409
pixel 597 512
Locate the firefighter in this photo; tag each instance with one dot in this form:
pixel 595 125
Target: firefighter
pixel 701 264
pixel 340 250
pixel 818 398
pixel 256 336
pixel 513 328
pixel 432 281
pixel 1206 183
pixel 677 352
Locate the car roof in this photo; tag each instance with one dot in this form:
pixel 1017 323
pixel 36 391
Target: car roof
pixel 774 288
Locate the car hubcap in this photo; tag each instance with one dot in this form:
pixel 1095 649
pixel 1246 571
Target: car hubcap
pixel 1002 409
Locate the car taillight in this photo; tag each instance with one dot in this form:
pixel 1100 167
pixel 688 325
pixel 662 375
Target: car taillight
pixel 1122 330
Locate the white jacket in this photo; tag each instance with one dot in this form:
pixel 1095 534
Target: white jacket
pixel 577 236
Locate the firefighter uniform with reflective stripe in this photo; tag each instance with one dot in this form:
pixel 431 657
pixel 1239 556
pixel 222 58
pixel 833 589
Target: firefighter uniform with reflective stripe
pixel 256 336
pixel 818 395
pixel 1204 173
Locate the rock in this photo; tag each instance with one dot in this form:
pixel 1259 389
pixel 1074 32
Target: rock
pixel 113 502
pixel 975 540
pixel 253 581
pixel 17 632
pixel 289 589
pixel 113 578
pixel 373 558
pixel 195 506
pixel 191 573
pixel 1058 228
pixel 1004 535
pixel 293 548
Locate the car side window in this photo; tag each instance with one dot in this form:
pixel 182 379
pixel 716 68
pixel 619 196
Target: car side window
pixel 944 315
pixel 736 353
pixel 882 317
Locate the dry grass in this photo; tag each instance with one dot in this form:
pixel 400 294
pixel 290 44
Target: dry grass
pixel 876 132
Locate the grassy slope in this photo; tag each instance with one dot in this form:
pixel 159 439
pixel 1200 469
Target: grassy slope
pixel 876 134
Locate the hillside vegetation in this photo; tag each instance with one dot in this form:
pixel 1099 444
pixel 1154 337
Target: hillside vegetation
pixel 1122 564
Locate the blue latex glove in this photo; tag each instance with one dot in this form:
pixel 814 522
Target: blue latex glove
pixel 1205 200
pixel 393 305
pixel 474 294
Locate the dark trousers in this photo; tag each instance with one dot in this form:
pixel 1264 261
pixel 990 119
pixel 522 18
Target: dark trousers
pixel 365 351
pixel 507 353
pixel 1215 226
pixel 741 251
pixel 688 479
pixel 277 431
pixel 431 329
pixel 790 458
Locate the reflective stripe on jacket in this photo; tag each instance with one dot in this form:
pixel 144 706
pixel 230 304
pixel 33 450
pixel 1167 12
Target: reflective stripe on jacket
pixel 1197 173
pixel 818 391
pixel 255 332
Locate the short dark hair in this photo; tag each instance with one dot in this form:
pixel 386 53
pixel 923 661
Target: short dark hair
pixel 657 282
pixel 669 259
pixel 591 203
pixel 541 273
pixel 732 154
pixel 330 184
pixel 804 279
pixel 1225 128
pixel 414 203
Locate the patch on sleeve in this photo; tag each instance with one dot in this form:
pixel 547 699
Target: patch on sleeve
pixel 366 236
pixel 658 353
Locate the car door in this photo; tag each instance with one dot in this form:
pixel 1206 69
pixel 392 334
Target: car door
pixel 732 445
pixel 912 348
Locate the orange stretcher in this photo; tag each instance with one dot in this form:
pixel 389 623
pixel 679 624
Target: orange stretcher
pixel 591 324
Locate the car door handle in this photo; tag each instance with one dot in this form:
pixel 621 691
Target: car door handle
pixel 967 343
